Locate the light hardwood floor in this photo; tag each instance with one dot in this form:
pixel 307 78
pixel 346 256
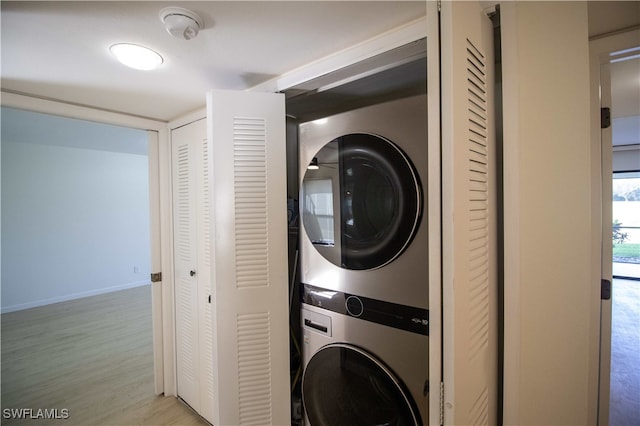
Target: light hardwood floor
pixel 91 356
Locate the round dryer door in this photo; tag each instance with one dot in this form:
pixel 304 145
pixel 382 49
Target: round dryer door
pixel 344 385
pixel 361 201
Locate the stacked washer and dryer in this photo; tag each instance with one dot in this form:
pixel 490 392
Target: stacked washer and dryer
pixel 363 266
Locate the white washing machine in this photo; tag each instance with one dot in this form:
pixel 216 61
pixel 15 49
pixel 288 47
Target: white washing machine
pixel 364 265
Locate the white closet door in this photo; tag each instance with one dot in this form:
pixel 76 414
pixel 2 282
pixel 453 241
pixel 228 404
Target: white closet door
pixel 192 242
pixel 205 292
pixel 248 197
pixel 184 156
pixel 469 215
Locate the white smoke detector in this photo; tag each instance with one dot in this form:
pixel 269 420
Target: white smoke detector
pixel 181 23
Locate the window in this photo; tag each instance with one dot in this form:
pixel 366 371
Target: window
pixel 626 220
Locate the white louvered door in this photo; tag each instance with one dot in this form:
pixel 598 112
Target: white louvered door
pixel 194 324
pixel 203 243
pixel 248 196
pixel 469 214
pixel 185 260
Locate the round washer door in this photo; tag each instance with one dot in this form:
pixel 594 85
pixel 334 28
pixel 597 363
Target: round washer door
pixel 345 385
pixel 361 201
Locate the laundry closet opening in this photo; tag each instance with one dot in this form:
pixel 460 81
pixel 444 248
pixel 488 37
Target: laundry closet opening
pixel 358 235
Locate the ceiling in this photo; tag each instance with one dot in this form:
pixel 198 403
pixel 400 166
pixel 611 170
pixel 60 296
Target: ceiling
pixel 625 101
pixel 607 17
pixel 625 86
pixel 60 50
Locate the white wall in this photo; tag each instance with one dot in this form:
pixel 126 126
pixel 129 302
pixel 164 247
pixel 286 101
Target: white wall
pixel 75 222
pixel 547 197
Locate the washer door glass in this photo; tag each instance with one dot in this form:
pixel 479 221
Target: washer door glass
pixel 361 201
pixel 344 385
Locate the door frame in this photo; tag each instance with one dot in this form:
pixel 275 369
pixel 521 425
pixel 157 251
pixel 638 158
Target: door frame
pixel 160 203
pixel 600 50
pixel 384 42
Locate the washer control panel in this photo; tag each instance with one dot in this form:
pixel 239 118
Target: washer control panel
pixel 409 318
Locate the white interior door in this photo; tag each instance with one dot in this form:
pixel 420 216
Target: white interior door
pixel 203 248
pixel 469 215
pixel 249 257
pixel 194 325
pixel 184 156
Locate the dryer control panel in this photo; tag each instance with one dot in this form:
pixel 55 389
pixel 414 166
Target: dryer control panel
pixel 409 318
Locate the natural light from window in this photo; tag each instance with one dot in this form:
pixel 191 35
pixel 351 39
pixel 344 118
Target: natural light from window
pixel 318 211
pixel 626 219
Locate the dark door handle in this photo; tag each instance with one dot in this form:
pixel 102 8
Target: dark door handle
pixel 192 273
pixel 605 289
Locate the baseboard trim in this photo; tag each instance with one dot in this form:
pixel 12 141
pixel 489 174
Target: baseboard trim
pixel 72 296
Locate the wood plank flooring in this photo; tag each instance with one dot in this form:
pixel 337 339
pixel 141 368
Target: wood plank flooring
pixel 91 356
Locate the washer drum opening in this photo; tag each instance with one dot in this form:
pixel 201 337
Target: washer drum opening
pixel 345 385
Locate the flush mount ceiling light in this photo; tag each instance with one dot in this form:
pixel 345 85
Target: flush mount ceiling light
pixel 181 23
pixel 313 165
pixel 135 56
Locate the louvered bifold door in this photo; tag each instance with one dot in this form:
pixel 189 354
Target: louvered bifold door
pixel 203 239
pixel 184 158
pixel 192 242
pixel 469 215
pixel 249 254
